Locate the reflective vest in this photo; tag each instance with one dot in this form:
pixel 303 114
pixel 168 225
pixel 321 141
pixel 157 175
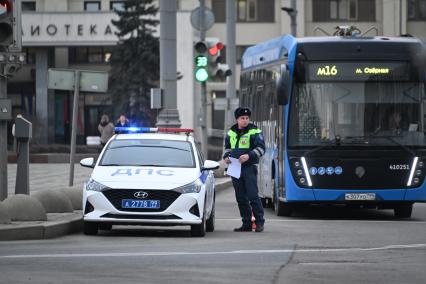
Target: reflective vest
pixel 244 142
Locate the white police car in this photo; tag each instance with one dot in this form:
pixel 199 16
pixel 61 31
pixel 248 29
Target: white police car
pixel 150 179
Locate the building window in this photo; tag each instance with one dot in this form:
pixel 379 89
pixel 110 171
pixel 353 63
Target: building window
pixel 116 6
pixel 89 55
pixel 246 10
pixel 92 6
pixel 28 5
pixel 416 10
pixel 344 10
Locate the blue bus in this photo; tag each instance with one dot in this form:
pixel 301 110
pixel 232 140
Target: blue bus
pixel 343 118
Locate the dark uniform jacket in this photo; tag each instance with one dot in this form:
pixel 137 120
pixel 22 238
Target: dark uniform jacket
pixel 245 141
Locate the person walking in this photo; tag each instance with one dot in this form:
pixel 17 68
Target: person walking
pixel 106 129
pixel 244 141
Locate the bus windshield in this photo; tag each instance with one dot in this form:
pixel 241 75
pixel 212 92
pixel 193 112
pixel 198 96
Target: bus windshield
pixel 359 112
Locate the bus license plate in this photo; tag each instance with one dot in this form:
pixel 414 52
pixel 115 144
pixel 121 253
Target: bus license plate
pixel 134 203
pixel 360 196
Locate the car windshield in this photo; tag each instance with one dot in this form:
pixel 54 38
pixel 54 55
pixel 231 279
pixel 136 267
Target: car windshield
pixel 149 152
pixel 365 113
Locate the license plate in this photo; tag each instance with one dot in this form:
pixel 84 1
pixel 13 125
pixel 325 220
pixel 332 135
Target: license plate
pixel 134 203
pixel 360 196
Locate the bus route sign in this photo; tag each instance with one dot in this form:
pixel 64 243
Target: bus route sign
pixel 354 71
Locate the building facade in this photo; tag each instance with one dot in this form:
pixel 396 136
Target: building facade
pixel 78 34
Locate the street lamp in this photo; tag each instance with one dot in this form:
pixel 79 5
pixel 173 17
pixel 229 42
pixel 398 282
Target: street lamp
pixel 292 12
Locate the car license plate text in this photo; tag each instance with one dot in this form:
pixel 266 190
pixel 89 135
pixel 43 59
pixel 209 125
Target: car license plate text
pixel 134 203
pixel 360 196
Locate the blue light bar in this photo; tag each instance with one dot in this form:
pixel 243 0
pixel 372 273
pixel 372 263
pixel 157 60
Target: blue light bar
pixel 132 129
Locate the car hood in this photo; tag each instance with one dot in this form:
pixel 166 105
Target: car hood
pixel 144 177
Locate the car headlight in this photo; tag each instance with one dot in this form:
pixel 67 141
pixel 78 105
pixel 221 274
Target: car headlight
pixel 95 186
pixel 194 187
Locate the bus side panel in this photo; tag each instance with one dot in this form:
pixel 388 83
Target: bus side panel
pixel 265 173
pixel 293 191
pixel 416 194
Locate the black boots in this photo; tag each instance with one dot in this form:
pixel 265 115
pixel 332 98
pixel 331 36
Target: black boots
pixel 243 228
pixel 259 228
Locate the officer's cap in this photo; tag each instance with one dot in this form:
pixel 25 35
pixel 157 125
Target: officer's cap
pixel 242 111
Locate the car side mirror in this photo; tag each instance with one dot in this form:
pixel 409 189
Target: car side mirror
pixel 284 88
pixel 210 165
pixel 88 162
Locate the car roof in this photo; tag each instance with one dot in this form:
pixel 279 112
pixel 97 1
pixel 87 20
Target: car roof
pixel 157 136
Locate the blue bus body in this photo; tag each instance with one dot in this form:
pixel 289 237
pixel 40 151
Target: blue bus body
pixel 343 120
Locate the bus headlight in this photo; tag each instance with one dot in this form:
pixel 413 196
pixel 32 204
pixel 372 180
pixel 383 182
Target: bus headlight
pixel 301 172
pixel 416 173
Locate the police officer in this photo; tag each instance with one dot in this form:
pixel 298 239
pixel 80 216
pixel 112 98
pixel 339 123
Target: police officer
pixel 244 141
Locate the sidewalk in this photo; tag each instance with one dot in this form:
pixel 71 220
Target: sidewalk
pixel 55 176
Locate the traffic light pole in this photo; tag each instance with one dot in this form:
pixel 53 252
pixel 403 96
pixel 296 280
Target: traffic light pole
pixel 3 140
pixel 230 58
pixel 203 90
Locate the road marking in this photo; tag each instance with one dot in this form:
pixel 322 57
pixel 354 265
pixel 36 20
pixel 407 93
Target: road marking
pixel 134 254
pixel 329 221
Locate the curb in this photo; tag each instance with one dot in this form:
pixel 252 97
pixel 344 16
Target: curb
pixel 46 230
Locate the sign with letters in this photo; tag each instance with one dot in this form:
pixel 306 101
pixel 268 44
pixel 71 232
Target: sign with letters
pixel 359 71
pixel 68 28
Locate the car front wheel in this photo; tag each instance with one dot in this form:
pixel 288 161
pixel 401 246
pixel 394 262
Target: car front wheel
pixel 211 220
pixel 199 230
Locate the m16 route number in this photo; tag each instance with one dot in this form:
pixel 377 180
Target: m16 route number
pixel 327 70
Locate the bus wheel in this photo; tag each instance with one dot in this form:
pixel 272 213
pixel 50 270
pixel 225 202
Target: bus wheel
pixel 281 208
pixel 403 211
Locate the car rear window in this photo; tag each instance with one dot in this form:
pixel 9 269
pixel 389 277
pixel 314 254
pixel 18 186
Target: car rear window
pixel 149 152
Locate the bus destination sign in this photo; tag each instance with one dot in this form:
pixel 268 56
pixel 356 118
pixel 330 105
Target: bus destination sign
pixel 355 71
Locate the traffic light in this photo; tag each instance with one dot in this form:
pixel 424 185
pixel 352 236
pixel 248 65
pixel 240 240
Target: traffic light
pixel 6 22
pixel 12 61
pixel 201 62
pixel 217 70
pixel 10 25
pixel 208 62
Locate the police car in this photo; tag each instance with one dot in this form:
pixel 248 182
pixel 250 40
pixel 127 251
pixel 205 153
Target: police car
pixel 150 178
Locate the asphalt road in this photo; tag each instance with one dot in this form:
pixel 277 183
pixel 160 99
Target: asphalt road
pixel 318 245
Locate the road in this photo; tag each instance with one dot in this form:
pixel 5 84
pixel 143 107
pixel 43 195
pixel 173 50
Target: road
pixel 318 245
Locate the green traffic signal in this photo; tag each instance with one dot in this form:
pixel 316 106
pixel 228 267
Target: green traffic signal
pixel 201 75
pixel 201 62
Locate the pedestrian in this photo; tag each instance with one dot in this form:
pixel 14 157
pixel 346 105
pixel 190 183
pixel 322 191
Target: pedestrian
pixel 106 129
pixel 244 141
pixel 122 122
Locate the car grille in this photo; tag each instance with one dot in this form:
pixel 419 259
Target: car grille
pixel 166 197
pixel 144 217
